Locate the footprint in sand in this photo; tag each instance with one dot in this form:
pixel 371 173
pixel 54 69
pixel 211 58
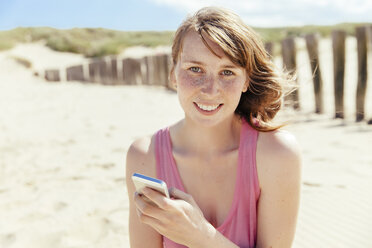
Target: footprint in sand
pixel 59 206
pixel 87 231
pixel 119 150
pixel 77 178
pixel 7 240
pixel 312 184
pixel 95 157
pixel 119 180
pixel 3 190
pixel 107 166
pixel 340 186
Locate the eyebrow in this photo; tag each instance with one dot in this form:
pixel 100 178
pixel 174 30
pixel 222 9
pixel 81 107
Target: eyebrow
pixel 201 63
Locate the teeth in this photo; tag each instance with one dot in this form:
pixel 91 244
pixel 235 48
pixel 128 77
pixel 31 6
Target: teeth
pixel 207 107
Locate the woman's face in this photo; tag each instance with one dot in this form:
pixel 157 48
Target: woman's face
pixel 209 88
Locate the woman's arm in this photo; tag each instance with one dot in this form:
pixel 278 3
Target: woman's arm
pixel 279 171
pixel 183 221
pixel 139 160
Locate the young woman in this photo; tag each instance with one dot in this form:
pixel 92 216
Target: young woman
pixel 234 178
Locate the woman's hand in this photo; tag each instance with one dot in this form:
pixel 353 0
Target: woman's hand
pixel 179 219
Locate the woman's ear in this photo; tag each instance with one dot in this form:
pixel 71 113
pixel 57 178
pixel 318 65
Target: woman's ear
pixel 245 88
pixel 172 79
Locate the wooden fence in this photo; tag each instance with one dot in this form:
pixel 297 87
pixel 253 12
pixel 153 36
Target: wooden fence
pixel 154 70
pixel 149 70
pixel 363 35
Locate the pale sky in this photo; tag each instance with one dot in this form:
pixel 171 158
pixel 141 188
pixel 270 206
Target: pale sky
pixel 167 14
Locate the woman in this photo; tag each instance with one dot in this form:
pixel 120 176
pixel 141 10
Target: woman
pixel 234 178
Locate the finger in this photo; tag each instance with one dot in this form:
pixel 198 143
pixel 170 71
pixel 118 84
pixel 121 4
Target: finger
pixel 179 194
pixel 146 215
pixel 149 220
pixel 158 198
pixel 147 207
pixel 140 200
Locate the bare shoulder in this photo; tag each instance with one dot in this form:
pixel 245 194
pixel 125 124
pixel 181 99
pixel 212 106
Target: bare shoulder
pixel 278 156
pixel 141 157
pixel 279 142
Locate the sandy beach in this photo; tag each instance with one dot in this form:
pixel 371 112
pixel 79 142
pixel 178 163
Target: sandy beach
pixel 63 148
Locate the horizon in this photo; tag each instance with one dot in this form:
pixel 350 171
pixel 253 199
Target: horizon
pixel 271 27
pixel 166 15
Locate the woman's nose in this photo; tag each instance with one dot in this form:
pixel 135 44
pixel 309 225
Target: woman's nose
pixel 210 86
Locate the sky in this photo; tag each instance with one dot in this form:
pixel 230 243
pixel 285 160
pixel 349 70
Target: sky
pixel 159 15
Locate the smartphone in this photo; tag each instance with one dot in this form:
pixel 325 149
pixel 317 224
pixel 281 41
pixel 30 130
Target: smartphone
pixel 141 181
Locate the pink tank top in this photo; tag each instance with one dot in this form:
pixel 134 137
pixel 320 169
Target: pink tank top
pixel 240 226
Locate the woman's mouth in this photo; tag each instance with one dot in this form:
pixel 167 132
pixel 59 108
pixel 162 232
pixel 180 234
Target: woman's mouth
pixel 208 109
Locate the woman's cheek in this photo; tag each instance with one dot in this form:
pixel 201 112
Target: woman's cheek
pixel 189 81
pixel 231 85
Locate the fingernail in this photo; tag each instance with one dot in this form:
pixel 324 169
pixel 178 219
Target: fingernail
pixel 137 194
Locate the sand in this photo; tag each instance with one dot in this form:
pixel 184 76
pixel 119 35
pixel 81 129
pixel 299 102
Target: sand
pixel 63 147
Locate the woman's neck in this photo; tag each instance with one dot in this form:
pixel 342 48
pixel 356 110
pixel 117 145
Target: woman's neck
pixel 189 138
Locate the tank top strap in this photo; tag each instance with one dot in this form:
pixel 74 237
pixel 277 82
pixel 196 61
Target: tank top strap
pixel 166 169
pixel 248 160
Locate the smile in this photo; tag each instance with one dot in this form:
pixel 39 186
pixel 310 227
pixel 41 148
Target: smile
pixel 208 108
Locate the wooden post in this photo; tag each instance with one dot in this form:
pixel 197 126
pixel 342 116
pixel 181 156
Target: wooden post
pixel 94 71
pixel 108 71
pixel 289 62
pixel 150 70
pixel 158 72
pixel 269 48
pixel 132 71
pixel 160 76
pixel 142 64
pixel 369 48
pixel 167 67
pixel 338 40
pixel 312 49
pixel 369 32
pixel 114 71
pixel 361 36
pixel 75 73
pixel 52 75
pixel 103 72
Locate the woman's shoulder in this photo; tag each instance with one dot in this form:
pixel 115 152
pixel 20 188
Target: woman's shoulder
pixel 141 156
pixel 279 143
pixel 278 156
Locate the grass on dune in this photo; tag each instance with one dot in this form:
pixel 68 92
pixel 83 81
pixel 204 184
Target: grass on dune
pixel 96 42
pixel 88 41
pixel 277 34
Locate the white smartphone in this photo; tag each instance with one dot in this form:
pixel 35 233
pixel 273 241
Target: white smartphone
pixel 141 181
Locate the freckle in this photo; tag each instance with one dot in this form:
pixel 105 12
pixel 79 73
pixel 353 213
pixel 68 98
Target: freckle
pixel 192 81
pixel 198 81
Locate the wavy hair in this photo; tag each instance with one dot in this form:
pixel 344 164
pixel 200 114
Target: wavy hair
pixel 243 46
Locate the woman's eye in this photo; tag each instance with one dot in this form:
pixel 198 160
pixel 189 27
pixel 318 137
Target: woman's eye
pixel 227 72
pixel 195 69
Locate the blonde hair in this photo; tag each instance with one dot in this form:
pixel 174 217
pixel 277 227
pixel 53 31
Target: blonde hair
pixel 243 46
